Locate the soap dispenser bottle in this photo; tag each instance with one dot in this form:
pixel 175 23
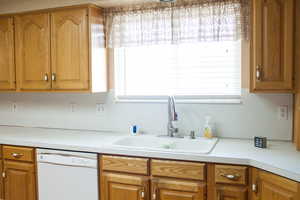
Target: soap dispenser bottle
pixel 207 129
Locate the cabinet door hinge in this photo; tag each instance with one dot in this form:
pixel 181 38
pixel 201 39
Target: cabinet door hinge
pixel 3 174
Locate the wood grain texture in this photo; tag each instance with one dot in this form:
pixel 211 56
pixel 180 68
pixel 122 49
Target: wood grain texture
pixel 20 181
pixel 125 164
pixel 69 49
pixel 297 120
pixel 170 189
pixel 272 45
pixel 33 51
pixel 178 169
pixel 231 192
pixel 239 171
pixel 125 187
pixel 271 186
pixel 7 58
pixel 25 153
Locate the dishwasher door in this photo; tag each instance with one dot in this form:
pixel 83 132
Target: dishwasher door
pixel 64 175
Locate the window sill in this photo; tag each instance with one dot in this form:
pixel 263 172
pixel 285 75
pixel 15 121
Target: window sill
pixel 182 101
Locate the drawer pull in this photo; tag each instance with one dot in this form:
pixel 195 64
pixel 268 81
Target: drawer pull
pixel 17 155
pixel 231 176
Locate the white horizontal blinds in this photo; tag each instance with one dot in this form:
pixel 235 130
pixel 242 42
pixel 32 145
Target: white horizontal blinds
pixel 201 69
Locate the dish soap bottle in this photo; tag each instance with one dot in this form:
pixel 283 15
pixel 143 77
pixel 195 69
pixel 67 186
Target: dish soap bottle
pixel 207 131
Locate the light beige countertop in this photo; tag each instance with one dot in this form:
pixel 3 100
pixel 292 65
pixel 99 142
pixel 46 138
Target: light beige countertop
pixel 280 157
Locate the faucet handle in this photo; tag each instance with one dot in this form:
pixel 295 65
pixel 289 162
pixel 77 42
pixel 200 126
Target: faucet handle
pixel 192 135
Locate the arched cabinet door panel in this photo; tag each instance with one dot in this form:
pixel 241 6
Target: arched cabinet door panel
pixel 33 51
pixel 70 59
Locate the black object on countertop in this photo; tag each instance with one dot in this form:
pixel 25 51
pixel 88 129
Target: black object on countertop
pixel 260 142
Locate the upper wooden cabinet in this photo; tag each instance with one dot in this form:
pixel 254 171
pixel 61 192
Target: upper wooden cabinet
pixel 33 51
pixel 69 56
pixel 7 63
pixel 270 186
pixel 272 46
pixel 69 43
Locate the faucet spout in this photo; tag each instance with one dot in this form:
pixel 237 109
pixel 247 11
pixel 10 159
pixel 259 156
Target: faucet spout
pixel 172 116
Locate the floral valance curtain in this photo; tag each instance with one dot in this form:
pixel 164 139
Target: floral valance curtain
pixel 180 22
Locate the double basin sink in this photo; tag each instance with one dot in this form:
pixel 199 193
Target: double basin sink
pixel 167 144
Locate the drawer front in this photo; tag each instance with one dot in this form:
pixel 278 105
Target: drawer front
pixel 231 174
pixel 18 153
pixel 125 164
pixel 177 169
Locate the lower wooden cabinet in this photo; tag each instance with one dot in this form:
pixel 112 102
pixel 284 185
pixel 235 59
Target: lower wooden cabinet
pixel 19 181
pixel 268 186
pixel 228 192
pixel 167 189
pixel 124 187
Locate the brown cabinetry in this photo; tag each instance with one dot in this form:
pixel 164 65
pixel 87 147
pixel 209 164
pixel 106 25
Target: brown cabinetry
pixel 69 56
pixel 171 189
pixel 267 186
pixel 33 51
pixel 124 186
pixel 19 176
pixel 272 46
pixel 7 63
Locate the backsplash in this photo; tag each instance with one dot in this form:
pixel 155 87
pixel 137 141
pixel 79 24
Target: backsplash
pixel 257 115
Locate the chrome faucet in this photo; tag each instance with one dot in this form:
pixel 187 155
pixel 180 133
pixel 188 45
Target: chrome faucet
pixel 172 117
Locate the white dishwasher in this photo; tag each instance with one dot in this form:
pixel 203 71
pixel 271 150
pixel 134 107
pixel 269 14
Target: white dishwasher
pixel 65 175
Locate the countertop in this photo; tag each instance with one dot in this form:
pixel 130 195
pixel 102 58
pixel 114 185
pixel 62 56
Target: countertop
pixel 280 157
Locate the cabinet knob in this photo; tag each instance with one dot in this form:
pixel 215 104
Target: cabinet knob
pixel 258 73
pixel 53 77
pixel 46 77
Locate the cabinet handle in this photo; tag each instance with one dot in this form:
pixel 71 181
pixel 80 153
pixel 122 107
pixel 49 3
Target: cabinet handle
pixel 16 155
pixel 231 177
pixel 258 73
pixel 3 175
pixel 46 77
pixel 142 194
pixel 154 194
pixel 53 77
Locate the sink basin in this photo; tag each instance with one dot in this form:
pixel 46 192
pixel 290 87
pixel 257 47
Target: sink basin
pixel 166 144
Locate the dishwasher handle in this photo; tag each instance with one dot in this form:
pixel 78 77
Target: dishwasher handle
pixel 67 160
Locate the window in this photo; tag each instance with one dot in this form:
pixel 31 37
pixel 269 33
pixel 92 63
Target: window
pixel 207 70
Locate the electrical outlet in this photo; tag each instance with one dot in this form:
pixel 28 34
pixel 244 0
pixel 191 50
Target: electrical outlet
pixel 283 111
pixel 99 108
pixel 73 107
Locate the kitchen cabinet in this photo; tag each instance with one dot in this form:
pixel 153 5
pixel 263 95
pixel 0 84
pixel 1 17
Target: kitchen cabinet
pixel 69 56
pixel 69 42
pixel 19 181
pixel 231 192
pixel 33 51
pixel 270 186
pixel 7 62
pixel 123 186
pixel 272 46
pixel 174 189
pixel 19 174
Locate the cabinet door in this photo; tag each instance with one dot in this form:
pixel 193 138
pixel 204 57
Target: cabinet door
pixel 123 187
pixel 272 66
pixel 270 186
pixel 225 192
pixel 7 64
pixel 19 181
pixel 69 37
pixel 33 51
pixel 169 189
